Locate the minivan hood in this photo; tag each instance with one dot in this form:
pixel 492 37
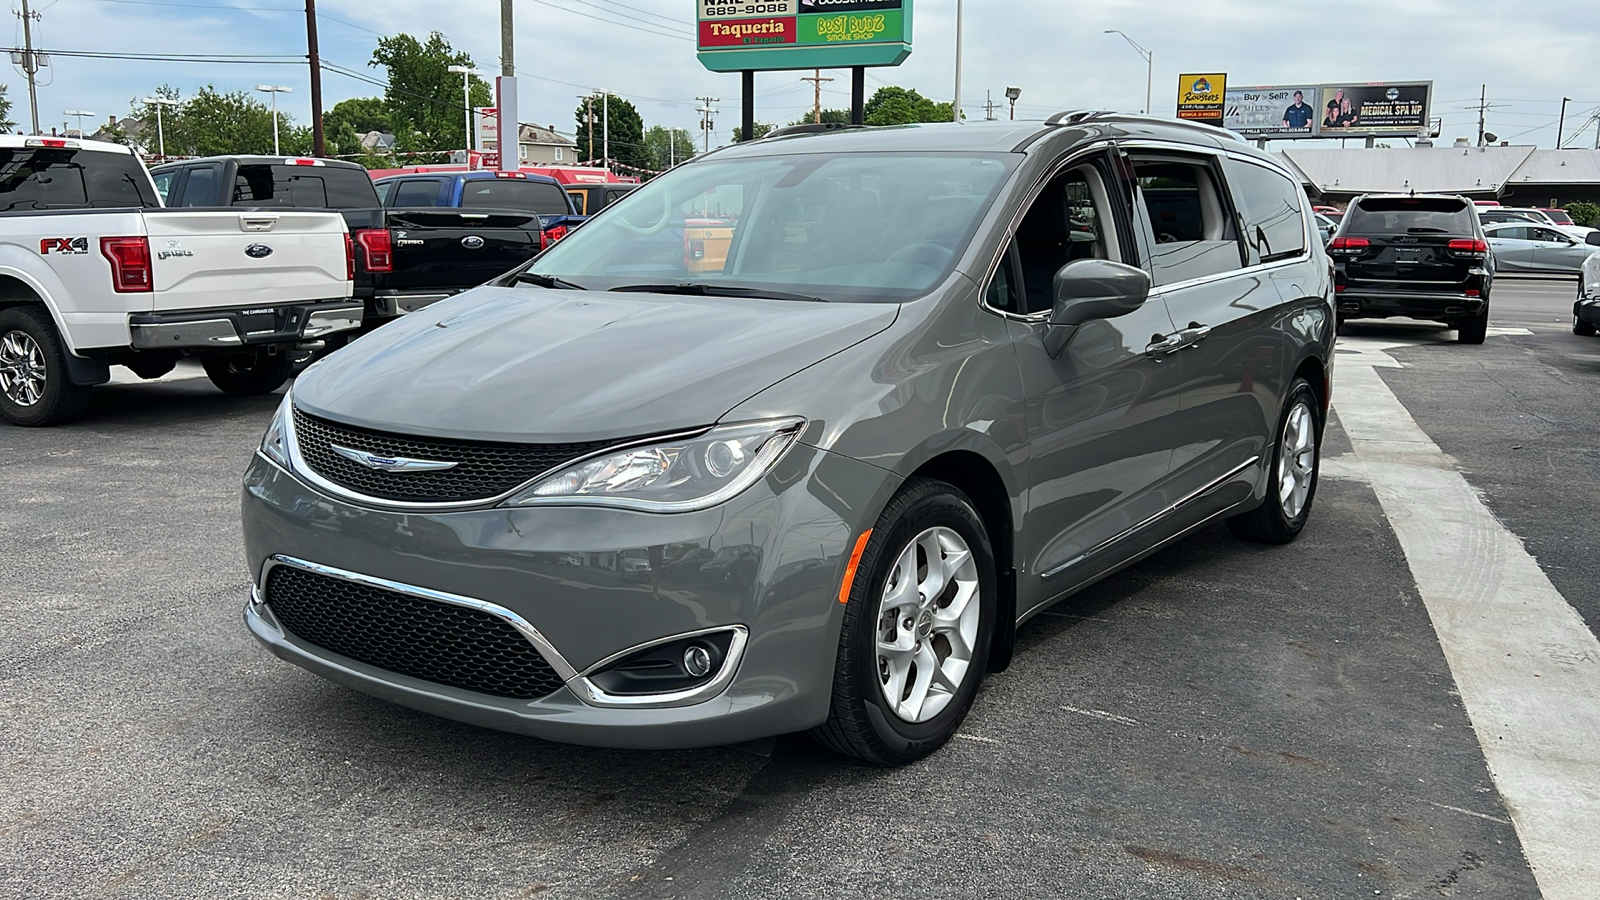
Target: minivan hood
pixel 534 365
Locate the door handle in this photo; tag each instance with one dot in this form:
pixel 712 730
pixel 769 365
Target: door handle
pixel 1194 334
pixel 1161 345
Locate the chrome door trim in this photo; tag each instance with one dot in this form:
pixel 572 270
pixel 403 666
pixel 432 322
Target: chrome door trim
pixel 1132 529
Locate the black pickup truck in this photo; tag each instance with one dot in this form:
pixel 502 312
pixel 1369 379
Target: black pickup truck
pixel 405 258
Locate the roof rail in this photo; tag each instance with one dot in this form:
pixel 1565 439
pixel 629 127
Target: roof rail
pixel 1075 116
pixel 809 128
pixel 1079 116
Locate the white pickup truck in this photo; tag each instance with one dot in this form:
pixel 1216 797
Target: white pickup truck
pixel 94 273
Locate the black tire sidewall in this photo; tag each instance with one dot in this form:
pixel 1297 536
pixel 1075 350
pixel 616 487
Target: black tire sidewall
pixel 61 399
pixel 267 372
pixel 940 505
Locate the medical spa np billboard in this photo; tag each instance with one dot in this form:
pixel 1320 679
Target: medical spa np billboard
pixel 803 34
pixel 1371 109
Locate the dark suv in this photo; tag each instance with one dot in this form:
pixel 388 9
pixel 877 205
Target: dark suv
pixel 1418 255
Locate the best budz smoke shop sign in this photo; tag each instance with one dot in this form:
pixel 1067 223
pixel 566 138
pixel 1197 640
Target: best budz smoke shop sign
pixel 803 34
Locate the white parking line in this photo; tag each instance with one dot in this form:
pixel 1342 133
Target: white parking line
pixel 1526 666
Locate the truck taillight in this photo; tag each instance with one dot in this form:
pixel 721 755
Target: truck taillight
pixel 130 263
pixel 379 248
pixel 555 233
pixel 349 258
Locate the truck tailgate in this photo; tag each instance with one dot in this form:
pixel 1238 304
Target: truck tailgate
pixel 210 258
pixel 455 249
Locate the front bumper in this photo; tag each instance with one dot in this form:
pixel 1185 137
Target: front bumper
pixel 221 329
pixel 517 562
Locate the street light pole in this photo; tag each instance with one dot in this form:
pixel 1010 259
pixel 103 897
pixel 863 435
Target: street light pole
pixel 80 113
pixel 1561 125
pixel 161 136
pixel 955 114
pixel 1149 61
pixel 1012 93
pixel 466 73
pixel 274 90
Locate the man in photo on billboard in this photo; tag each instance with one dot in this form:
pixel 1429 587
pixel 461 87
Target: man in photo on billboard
pixel 1298 115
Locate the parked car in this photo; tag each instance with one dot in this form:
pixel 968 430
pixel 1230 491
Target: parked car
pixel 589 199
pixel 992 409
pixel 1586 309
pixel 1418 255
pixel 1526 248
pixel 405 258
pixel 1325 227
pixel 635 569
pixel 94 274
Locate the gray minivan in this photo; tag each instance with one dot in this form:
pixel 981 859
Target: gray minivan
pixel 865 400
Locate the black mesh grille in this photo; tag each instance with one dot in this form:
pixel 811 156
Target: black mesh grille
pixel 483 469
pixel 439 642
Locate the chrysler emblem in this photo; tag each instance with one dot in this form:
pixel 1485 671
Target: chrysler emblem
pixel 472 242
pixel 390 463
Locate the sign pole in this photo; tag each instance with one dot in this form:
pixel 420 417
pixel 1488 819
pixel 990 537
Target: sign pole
pixel 748 133
pixel 858 93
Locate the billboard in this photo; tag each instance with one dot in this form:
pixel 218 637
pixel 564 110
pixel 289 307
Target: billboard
pixel 1288 111
pixel 761 35
pixel 1374 108
pixel 1200 97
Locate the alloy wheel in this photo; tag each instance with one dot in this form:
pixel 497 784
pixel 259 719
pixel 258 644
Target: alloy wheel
pixel 22 370
pixel 927 624
pixel 1297 461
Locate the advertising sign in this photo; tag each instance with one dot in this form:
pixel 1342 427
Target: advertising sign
pixel 1289 111
pixel 803 34
pixel 1200 97
pixel 1374 108
pixel 486 128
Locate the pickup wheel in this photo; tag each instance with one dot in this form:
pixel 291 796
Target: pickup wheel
pixel 248 374
pixel 34 387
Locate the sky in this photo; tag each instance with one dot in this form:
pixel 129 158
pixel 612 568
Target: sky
pixel 1056 51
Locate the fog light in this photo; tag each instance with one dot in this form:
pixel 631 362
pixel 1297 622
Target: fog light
pixel 697 661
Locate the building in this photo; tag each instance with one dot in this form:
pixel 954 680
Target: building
pixel 1514 176
pixel 538 145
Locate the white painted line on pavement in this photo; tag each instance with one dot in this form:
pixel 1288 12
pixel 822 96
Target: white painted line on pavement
pixel 1526 666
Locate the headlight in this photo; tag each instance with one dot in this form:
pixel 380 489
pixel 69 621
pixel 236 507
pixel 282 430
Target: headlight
pixel 275 443
pixel 672 476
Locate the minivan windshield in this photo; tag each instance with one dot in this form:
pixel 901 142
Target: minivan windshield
pixel 832 226
pixel 1410 215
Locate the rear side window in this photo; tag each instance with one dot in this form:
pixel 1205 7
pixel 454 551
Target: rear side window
pixel 1270 204
pixel 314 187
pixel 58 178
pixel 1410 215
pixel 541 197
pixel 201 188
pixel 1193 232
pixel 416 193
pixel 580 200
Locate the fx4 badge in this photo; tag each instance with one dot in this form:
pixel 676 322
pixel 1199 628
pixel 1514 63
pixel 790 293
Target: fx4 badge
pixel 63 245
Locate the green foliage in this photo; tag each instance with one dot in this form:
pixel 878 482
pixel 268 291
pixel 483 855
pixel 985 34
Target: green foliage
pixel 424 96
pixel 829 117
pixel 669 145
pixel 212 123
pixel 1583 212
pixel 362 114
pixel 6 124
pixel 761 129
pixel 898 106
pixel 627 131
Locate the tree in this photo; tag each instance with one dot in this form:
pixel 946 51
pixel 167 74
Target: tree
pixel 6 124
pixel 362 114
pixel 829 117
pixel 212 123
pixel 668 146
pixel 424 96
pixel 898 106
pixel 761 130
pixel 627 131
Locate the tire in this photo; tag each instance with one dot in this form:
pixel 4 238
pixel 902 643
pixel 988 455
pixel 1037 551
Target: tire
pixel 35 389
pixel 863 722
pixel 1281 516
pixel 1582 328
pixel 248 374
pixel 1475 329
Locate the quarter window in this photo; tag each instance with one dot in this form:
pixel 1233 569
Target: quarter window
pixel 1193 234
pixel 1270 205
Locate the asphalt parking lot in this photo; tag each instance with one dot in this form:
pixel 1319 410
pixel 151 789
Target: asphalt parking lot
pixel 1223 720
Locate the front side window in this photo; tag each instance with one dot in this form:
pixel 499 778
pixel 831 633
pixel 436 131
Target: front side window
pixel 847 226
pixel 1193 234
pixel 1511 233
pixel 163 182
pixel 1068 221
pixel 1270 204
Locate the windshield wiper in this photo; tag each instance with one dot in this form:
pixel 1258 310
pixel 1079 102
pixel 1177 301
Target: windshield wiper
pixel 716 290
pixel 1425 229
pixel 547 281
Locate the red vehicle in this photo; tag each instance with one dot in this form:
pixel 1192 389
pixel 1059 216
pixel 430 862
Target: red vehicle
pixel 1486 203
pixel 1558 216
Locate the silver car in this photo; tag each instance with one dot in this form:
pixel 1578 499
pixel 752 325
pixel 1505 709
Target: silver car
pixel 864 401
pixel 1529 248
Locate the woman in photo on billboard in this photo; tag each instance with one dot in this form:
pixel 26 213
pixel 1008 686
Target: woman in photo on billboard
pixel 1298 114
pixel 1340 114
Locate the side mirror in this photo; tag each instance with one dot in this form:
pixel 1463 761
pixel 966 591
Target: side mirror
pixel 1089 289
pixel 1592 238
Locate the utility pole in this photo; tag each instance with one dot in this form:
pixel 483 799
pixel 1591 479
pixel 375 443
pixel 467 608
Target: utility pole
pixel 588 122
pixel 318 146
pixel 1483 98
pixel 605 127
pixel 506 96
pixel 706 111
pixel 988 106
pixel 816 80
pixel 1561 124
pixel 955 105
pixel 30 63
